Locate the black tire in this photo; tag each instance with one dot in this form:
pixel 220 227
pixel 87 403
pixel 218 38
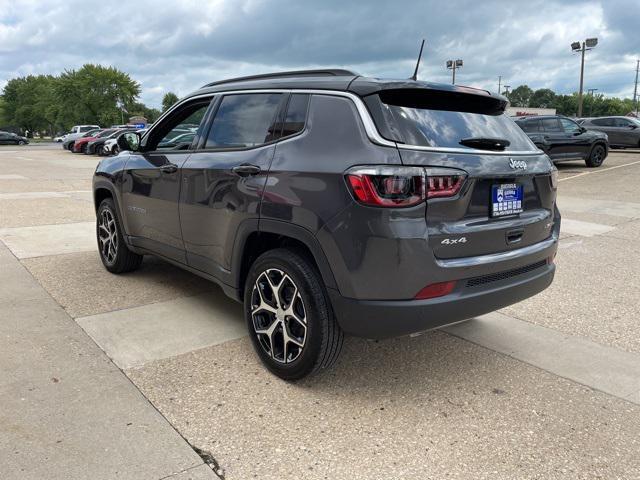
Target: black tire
pixel 323 337
pixel 115 150
pixel 84 149
pixel 116 257
pixel 597 156
pixel 21 142
pixel 70 147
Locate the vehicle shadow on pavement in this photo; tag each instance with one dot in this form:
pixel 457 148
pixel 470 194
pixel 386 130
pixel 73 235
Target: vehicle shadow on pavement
pixel 82 286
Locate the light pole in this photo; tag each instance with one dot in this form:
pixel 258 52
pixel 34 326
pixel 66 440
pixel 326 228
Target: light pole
pixel 499 83
pixel 590 91
pixel 506 90
pixel 453 65
pixel 576 47
pixel 635 89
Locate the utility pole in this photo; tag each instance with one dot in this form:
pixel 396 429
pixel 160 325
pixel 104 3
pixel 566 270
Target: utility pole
pixel 581 82
pixel 453 65
pixel 506 90
pixel 635 89
pixel 588 44
pixel 591 90
pixel 499 82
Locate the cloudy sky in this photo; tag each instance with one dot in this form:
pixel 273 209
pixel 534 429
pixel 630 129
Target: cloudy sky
pixel 181 44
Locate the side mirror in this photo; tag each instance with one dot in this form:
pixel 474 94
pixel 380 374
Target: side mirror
pixel 129 141
pixel 633 126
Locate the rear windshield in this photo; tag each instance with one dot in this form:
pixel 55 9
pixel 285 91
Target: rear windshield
pixel 447 125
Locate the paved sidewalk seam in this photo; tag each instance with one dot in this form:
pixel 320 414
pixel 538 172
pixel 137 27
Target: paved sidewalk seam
pixel 599 367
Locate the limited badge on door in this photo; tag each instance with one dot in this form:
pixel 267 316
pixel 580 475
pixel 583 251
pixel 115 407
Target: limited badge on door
pixel 506 199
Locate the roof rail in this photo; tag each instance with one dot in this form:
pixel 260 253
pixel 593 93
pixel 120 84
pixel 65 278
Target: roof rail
pixel 330 72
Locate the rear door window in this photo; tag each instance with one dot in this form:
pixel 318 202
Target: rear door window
pixel 551 125
pixel 531 125
pixel 245 121
pixel 443 120
pixel 603 122
pixel 569 126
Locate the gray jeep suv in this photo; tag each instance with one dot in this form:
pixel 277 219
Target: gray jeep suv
pixel 330 203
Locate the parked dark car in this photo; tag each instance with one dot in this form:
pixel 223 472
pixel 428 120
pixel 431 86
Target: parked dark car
pixel 8 138
pixel 563 139
pixel 623 132
pixel 331 203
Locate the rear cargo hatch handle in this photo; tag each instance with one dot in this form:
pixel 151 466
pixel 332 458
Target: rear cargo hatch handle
pixel 514 236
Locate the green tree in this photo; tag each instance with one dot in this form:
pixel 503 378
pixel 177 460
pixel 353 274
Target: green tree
pixel 151 114
pixel 30 103
pixel 168 100
pixel 95 94
pixel 542 98
pixel 520 96
pixel 566 105
pixel 4 121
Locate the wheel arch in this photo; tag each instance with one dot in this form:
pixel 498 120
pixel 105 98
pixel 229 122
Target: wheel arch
pixel 104 189
pixel 599 143
pixel 255 238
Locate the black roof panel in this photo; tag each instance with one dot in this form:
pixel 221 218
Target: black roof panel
pixel 334 79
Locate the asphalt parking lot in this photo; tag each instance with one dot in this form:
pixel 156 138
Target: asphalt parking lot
pixel 122 375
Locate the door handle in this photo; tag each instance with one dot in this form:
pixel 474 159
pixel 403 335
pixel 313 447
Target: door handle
pixel 170 168
pixel 246 169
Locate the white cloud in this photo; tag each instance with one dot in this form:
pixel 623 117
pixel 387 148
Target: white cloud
pixel 181 45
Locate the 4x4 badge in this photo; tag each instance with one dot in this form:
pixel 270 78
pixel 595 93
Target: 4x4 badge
pixel 517 164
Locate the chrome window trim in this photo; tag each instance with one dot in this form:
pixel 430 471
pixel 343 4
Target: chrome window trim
pixel 365 117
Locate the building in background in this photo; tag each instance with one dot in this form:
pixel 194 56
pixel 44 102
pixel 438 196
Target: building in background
pixel 138 121
pixel 527 111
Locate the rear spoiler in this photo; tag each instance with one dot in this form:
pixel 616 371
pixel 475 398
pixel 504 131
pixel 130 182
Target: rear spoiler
pixel 457 100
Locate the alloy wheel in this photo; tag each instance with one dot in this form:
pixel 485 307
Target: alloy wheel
pixel 279 316
pixel 598 154
pixel 108 236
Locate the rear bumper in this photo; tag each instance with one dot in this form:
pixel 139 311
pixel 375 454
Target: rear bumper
pixel 380 319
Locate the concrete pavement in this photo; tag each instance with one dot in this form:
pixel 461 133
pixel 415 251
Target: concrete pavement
pixel 67 411
pixel 545 389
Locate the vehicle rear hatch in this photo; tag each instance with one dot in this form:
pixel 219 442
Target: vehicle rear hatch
pixel 506 195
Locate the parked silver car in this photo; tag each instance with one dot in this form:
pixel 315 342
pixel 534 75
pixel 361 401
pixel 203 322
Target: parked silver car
pixel 623 132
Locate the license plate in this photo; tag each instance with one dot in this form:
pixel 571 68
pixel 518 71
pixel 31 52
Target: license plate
pixel 506 199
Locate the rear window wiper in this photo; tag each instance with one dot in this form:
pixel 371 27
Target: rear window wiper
pixel 483 143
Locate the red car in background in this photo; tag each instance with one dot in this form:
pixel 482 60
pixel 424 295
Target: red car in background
pixel 81 143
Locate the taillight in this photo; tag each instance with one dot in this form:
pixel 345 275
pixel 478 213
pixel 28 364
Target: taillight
pixel 439 186
pixel 386 186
